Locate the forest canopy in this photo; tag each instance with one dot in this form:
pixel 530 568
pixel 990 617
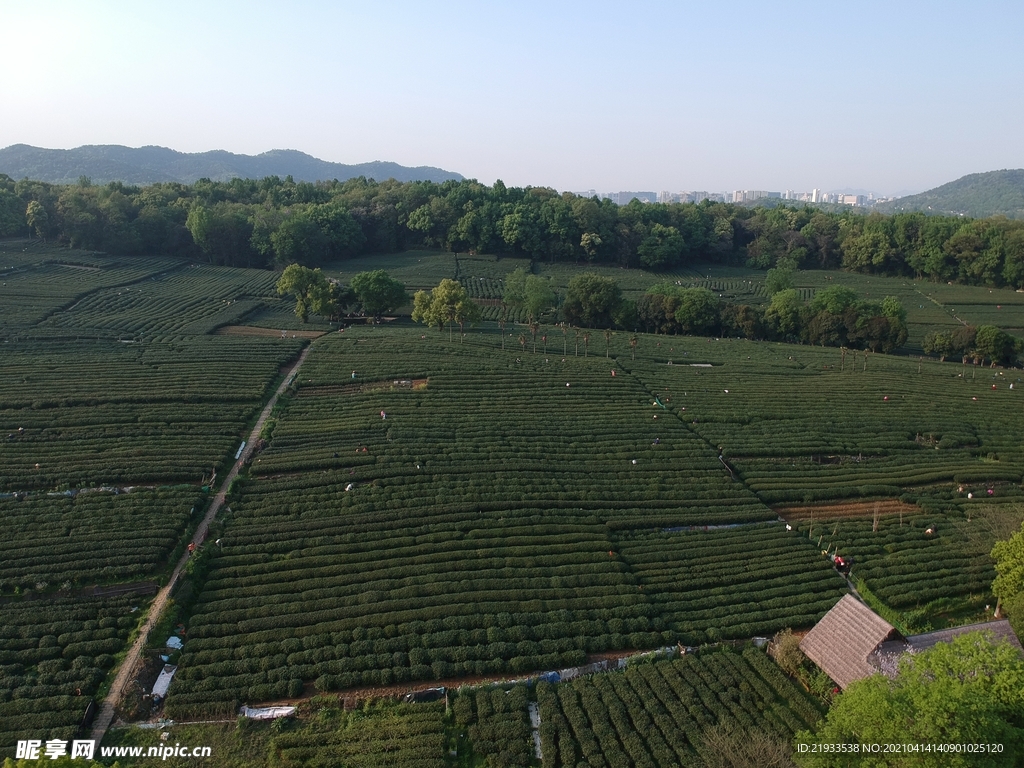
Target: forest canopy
pixel 273 222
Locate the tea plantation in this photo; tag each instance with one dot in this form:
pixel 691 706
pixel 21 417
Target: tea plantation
pixel 424 512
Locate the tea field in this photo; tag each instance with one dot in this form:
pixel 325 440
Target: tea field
pixel 657 712
pixel 54 654
pixel 116 406
pixel 422 511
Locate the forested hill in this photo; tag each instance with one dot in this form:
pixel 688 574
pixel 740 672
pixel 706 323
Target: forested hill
pixel 977 195
pixel 148 165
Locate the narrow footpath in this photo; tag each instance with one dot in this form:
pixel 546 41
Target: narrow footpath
pixel 105 716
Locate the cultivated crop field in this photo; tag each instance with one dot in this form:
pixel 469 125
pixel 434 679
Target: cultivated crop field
pixel 37 280
pixel 117 405
pixel 485 470
pixel 658 714
pixel 54 654
pixel 427 509
pixel 65 541
pixel 76 415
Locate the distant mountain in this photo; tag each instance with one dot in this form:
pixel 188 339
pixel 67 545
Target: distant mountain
pixel 103 163
pixel 978 195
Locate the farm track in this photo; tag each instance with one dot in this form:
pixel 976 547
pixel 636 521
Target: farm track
pixel 124 674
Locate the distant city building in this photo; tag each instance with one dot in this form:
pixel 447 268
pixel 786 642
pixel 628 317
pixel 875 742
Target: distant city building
pixel 736 196
pixel 750 195
pixel 623 198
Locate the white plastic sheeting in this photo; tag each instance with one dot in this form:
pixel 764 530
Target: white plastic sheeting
pixel 163 681
pixel 267 713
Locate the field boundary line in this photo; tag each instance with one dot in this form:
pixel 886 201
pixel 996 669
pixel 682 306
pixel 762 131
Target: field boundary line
pixel 76 300
pixel 105 716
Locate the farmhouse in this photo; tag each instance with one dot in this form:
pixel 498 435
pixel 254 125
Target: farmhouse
pixel 852 642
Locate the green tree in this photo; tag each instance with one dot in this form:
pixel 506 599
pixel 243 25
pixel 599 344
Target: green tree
pixel 468 311
pixel 378 292
pixel 591 300
pixel 834 300
pixel 663 247
pixel 446 304
pixel 538 296
pixel 778 279
pixel 1008 586
pixel 996 345
pixel 785 649
pixel 308 286
pixel 938 343
pixel 698 311
pixel 198 224
pixel 329 298
pixel 784 311
pixel 37 218
pixel 514 294
pixel 531 293
pixel 969 690
pixel 590 242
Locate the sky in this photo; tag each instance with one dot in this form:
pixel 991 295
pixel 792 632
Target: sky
pixel 890 97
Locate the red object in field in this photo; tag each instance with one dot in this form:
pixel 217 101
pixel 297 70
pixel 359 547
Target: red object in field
pixel 613 373
pixel 886 397
pixel 610 553
pixel 993 386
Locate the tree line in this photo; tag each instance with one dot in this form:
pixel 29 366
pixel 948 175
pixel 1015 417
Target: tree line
pixel 273 222
pixel 834 317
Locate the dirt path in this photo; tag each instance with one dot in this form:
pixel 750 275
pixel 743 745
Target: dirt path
pixel 106 714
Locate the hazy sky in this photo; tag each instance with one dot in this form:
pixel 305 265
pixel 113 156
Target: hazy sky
pixel 884 96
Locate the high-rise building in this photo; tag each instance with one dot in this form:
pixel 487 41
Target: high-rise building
pixel 816 196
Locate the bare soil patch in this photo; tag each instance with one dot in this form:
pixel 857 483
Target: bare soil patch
pixel 845 509
pixel 326 390
pixel 270 333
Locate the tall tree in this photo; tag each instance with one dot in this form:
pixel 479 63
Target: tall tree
pixel 306 285
pixel 446 304
pixel 378 292
pixel 591 300
pixel 1008 586
pixel 37 218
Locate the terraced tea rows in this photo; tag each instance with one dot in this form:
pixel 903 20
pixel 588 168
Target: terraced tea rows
pixel 801 429
pixel 53 656
pixel 38 280
pixel 384 736
pixel 190 300
pixel 452 511
pixel 417 593
pixel 733 582
pixel 659 714
pixel 64 541
pixel 97 413
pixel 904 564
pixel 499 432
